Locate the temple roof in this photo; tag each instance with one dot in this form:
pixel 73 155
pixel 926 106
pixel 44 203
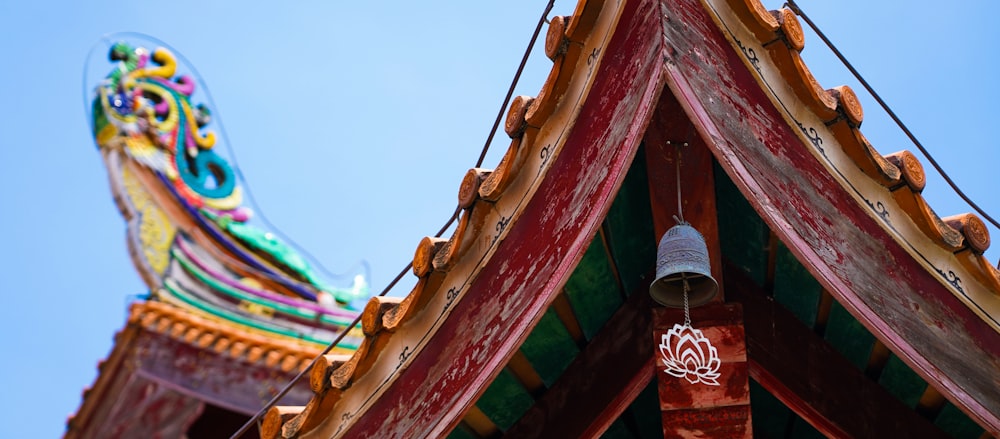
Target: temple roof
pixel 223 293
pixel 886 189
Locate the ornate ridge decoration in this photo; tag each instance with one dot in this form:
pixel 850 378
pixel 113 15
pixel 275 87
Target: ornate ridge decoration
pixel 899 173
pixel 484 197
pixel 189 234
pixel 139 108
pixel 217 283
pixel 688 354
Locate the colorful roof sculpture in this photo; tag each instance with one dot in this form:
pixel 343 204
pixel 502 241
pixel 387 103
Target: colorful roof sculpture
pixel 224 293
pixel 866 314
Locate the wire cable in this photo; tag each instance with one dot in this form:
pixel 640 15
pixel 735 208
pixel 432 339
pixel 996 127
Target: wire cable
pixel 284 391
pixel 454 216
pixel 798 11
pixel 517 77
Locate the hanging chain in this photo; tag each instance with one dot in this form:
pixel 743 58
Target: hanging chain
pixel 687 309
pixel 680 220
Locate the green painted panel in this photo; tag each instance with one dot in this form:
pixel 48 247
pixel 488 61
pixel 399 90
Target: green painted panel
pixel 646 409
pixel 505 400
pixel 592 290
pixel 742 234
pixel 902 382
pixel 461 433
pixel 802 430
pixel 771 419
pixel 617 430
pixel 549 348
pixel 770 416
pixel 630 226
pixel 795 287
pixel 956 424
pixel 848 336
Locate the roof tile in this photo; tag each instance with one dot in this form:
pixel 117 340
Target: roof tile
pixel 900 172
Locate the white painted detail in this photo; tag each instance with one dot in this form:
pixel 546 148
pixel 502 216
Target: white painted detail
pixel 688 354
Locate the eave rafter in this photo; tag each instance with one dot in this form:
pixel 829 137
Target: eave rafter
pixel 568 408
pixel 811 378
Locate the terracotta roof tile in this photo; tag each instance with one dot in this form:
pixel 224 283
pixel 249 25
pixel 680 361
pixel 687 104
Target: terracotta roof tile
pixel 899 172
pixel 182 325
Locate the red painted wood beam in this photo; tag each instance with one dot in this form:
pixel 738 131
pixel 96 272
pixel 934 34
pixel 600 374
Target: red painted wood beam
pixel 722 410
pixel 699 409
pixel 516 286
pixel 212 377
pixel 833 235
pixel 671 133
pixel 593 391
pixel 157 386
pixel 812 378
pixel 144 408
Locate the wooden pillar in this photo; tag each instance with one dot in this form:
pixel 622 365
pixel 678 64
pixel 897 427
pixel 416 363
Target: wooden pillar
pixel 699 409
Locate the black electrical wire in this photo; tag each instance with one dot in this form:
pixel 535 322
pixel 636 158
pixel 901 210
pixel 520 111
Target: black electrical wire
pixel 798 11
pixel 513 83
pixel 253 420
pixel 284 391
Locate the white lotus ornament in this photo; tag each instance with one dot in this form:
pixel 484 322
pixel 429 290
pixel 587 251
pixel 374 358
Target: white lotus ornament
pixel 688 354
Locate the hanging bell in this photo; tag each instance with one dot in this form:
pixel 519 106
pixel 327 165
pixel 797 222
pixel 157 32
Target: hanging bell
pixel 683 256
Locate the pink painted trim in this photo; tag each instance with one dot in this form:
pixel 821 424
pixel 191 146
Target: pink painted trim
pixel 183 246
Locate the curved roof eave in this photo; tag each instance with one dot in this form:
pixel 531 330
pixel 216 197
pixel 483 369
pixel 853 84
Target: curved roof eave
pixel 427 357
pixel 853 217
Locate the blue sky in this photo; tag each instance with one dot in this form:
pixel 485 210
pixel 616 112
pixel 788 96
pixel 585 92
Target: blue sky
pixel 354 125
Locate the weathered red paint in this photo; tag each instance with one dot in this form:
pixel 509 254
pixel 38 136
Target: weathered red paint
pixel 722 409
pixel 671 133
pixel 814 380
pixel 148 409
pixel 163 385
pixel 517 284
pixel 719 422
pixel 861 265
pixel 213 377
pixel 592 392
pixel 672 137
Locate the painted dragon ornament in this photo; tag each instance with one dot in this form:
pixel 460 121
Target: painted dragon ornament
pixel 189 234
